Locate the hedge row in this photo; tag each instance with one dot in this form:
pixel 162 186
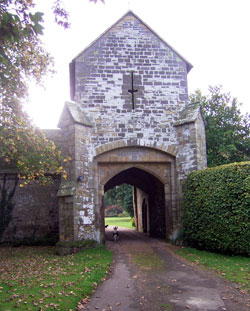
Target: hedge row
pixel 216 209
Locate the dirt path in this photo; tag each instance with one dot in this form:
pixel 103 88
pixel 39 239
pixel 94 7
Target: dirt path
pixel 147 276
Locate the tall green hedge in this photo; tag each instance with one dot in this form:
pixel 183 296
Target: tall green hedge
pixel 216 209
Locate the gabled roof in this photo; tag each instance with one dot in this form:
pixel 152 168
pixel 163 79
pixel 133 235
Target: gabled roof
pixel 76 114
pixel 189 65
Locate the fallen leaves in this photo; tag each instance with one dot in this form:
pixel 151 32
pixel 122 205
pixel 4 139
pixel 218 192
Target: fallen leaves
pixel 33 278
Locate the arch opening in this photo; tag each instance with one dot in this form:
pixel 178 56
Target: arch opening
pixel 148 200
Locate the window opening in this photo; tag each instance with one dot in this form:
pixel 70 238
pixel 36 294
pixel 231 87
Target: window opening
pixel 132 90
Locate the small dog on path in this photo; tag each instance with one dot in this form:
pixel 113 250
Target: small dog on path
pixel 115 234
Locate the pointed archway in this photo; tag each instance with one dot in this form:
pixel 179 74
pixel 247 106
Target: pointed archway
pixel 152 174
pixel 150 216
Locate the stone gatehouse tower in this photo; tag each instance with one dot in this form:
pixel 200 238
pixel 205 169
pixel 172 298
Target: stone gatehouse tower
pixel 129 122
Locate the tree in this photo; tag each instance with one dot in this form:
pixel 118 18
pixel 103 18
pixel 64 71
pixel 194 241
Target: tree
pixel 227 130
pixel 122 196
pixel 22 58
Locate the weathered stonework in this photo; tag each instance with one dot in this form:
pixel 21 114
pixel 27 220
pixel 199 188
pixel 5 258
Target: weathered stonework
pixel 35 215
pixel 157 142
pixel 152 144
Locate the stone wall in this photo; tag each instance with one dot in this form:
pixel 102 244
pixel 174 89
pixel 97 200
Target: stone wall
pixel 35 213
pixel 158 140
pixel 103 78
pixel 102 118
pixel 35 216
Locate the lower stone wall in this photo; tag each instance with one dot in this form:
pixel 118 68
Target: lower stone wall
pixel 35 214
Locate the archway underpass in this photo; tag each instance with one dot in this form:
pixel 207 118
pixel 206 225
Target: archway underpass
pixel 148 200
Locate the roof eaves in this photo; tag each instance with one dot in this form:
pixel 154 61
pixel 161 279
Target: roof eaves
pixel 76 114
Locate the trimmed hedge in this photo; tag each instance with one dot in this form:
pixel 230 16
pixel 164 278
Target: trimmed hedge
pixel 216 209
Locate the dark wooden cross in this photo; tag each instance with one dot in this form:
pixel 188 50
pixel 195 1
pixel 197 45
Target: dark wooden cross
pixel 132 91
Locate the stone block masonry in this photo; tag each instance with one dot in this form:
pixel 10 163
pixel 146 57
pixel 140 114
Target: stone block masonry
pixel 35 213
pixel 130 88
pixel 129 122
pixel 103 78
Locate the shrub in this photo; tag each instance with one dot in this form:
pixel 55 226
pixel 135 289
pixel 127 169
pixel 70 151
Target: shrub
pixel 113 211
pixel 216 209
pixel 133 221
pixel 123 214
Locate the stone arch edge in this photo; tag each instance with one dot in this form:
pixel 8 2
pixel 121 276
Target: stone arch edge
pixel 120 170
pixel 170 149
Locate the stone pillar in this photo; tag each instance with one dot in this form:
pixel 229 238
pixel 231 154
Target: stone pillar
pixel 66 211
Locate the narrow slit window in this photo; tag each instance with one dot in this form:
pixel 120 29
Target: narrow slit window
pixel 132 91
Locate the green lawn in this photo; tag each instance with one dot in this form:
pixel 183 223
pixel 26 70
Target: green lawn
pixel 233 268
pixel 119 221
pixel 34 278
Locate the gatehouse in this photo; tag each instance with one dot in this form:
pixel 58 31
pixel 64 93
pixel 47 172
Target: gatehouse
pixel 129 121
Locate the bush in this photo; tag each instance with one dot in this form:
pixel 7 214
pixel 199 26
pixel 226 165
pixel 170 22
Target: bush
pixel 113 211
pixel 133 221
pixel 123 214
pixel 216 209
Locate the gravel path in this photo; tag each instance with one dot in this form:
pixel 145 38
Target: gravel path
pixel 148 276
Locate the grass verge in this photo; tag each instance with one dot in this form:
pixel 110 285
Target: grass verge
pixel 34 278
pixel 119 221
pixel 234 268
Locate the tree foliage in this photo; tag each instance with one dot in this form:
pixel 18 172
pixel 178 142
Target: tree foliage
pixel 23 58
pixel 227 130
pixel 122 196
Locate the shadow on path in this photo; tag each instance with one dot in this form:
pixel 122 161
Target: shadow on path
pixel 147 276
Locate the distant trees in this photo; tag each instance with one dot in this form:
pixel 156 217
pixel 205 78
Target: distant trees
pixel 122 196
pixel 227 130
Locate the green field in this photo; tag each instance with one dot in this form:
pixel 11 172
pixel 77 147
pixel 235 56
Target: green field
pixel 119 221
pixel 233 268
pixel 34 278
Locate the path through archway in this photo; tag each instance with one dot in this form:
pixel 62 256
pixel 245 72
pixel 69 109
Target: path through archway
pixel 148 200
pixel 152 174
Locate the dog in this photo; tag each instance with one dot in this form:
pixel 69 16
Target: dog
pixel 115 234
pixel 106 226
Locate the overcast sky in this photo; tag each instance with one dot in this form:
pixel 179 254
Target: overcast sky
pixel 213 35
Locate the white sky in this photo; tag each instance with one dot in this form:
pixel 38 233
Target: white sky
pixel 213 35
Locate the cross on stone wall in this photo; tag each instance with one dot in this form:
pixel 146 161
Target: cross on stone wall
pixel 132 90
